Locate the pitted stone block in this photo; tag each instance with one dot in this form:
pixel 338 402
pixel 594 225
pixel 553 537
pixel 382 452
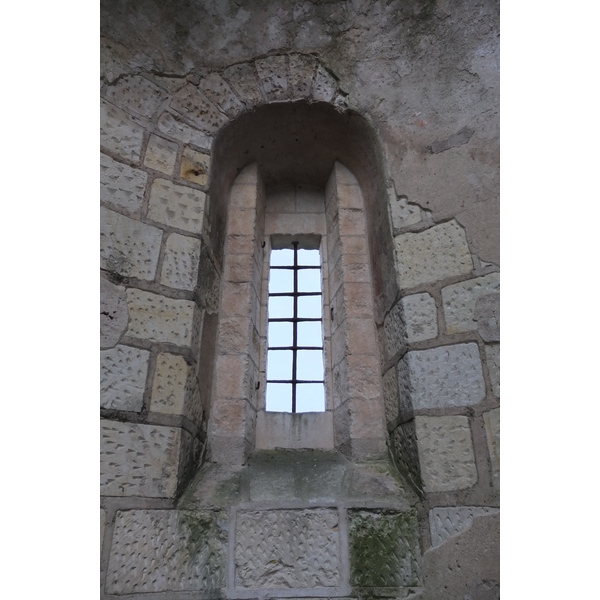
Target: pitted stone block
pixel 459 301
pixel 217 90
pixel 420 317
pixel 302 73
pixel 405 451
pixel 432 255
pixel 443 377
pixel 272 73
pixel 119 133
pixel 394 331
pixel 123 373
pixel 487 315
pixel 445 522
pixel 121 185
pixel 113 313
pixel 324 85
pixel 194 106
pixel 403 214
pixel 446 453
pixel 243 79
pixel 209 282
pixel 138 460
pixel 177 206
pixel 195 166
pixel 492 432
pixel 384 549
pixel 136 94
pixel 390 395
pixel 170 384
pixel 176 128
pixel 287 549
pixel 167 551
pixel 492 356
pixel 180 264
pixel 127 246
pixel 160 319
pixel 161 154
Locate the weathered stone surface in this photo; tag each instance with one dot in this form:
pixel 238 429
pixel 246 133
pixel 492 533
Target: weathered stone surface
pixel 121 185
pixel 405 451
pixel 446 453
pixel 487 315
pixel 176 128
pixel 302 73
pixel 492 432
pixel 102 527
pixel 127 246
pixel 113 313
pixel 432 255
pixel 123 373
pixel 390 395
pixel 167 550
pixel 272 73
pixel 209 282
pixel 394 331
pixel 195 166
pixel 459 301
pixel 119 133
pixel 138 460
pixel 159 319
pixel 192 104
pixel 161 154
pixel 456 139
pixel 136 94
pixel 181 261
pixel 216 89
pixel 243 79
pixel 447 521
pixel 170 383
pixel 420 317
pixel 492 356
pixel 324 85
pixel 177 206
pixel 384 549
pixel 403 214
pixel 443 377
pixel 287 549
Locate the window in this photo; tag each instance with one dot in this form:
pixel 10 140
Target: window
pixel 295 368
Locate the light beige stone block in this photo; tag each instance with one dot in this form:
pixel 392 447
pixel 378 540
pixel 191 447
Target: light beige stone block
pixel 181 262
pixel 272 74
pixel 119 133
pixel 324 85
pixel 123 372
pixel 169 386
pixel 195 166
pixel 448 521
pixel 121 186
pixel 161 154
pixel 492 355
pixel 420 317
pixel 194 106
pixel 445 453
pixel 432 255
pixel 308 223
pixel 492 432
pixel 243 79
pixel 175 127
pixel 136 94
pixel 403 214
pixel 218 91
pixel 300 430
pixel 177 206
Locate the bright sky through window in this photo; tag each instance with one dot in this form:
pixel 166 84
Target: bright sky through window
pixel 295 375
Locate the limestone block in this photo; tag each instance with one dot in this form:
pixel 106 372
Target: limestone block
pixel 487 315
pixel 121 185
pixel 181 261
pixel 136 94
pixel 287 549
pixel 177 206
pixel 406 452
pixel 394 331
pixel 138 460
pixel 448 521
pixel 324 85
pixel 123 373
pixel 119 133
pixel 160 319
pixel 403 214
pixel 432 255
pixel 446 453
pixel 161 154
pixel 170 384
pixel 492 432
pixel 302 73
pixel 420 317
pixel 218 91
pixel 443 377
pixel 195 107
pixel 174 127
pixel 384 549
pixel 273 77
pixel 167 551
pixel 390 395
pixel 113 313
pixel 209 282
pixel 492 356
pixel 195 166
pixel 459 301
pixel 242 78
pixel 127 246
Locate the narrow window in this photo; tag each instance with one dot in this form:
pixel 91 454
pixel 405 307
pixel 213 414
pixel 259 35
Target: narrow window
pixel 295 374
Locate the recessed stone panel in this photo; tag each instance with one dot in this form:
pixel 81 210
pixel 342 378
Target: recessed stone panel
pixel 181 261
pixel 195 107
pixel 119 133
pixel 447 521
pixel 113 313
pixel 136 94
pixel 121 185
pixel 492 357
pixel 161 154
pixel 272 73
pixel 177 206
pixel 176 128
pixel 446 453
pixel 492 432
pixel 420 317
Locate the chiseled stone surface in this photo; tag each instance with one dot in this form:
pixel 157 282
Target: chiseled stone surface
pixel 161 154
pixel 446 453
pixel 243 79
pixel 420 317
pixel 136 94
pixel 102 526
pixel 459 301
pixel 123 371
pixel 394 331
pixel 390 394
pixel 167 551
pixel 119 133
pixel 174 127
pixel 121 185
pixel 324 85
pixel 403 214
pixel 492 432
pixel 487 315
pixel 302 72
pixel 181 261
pixel 159 319
pixel 138 460
pixel 127 246
pixel 405 451
pixel 177 205
pixel 113 313
pixel 195 166
pixel 446 521
pixel 272 73
pixel 170 382
pixel 191 103
pixel 431 255
pixel 442 377
pixel 287 549
pixel 492 356
pixel 216 89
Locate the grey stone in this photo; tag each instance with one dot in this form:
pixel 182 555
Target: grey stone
pixel 302 72
pixel 487 315
pixel 161 154
pixel 113 313
pixel 123 373
pixel 169 386
pixel 174 127
pixel 216 89
pixel 420 317
pixel 136 94
pixel 403 214
pixel 492 432
pixel 272 73
pixel 190 103
pixel 102 527
pixel 121 185
pixel 243 79
pixel 448 521
pixel 195 166
pixel 394 331
pixel 457 139
pixel 119 133
pixel 177 206
pixel 390 395
pixel 181 261
pixel 324 85
pixel 406 453
pixel 492 356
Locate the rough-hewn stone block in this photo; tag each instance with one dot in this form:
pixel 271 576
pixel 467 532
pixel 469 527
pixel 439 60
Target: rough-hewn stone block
pixel 287 549
pixel 492 432
pixel 272 73
pixel 390 395
pixel 181 261
pixel 420 317
pixel 459 301
pixel 394 331
pixel 113 313
pixel 170 384
pixel 195 107
pixel 173 126
pixel 302 72
pixel 216 89
pixel 136 94
pixel 123 373
pixel 324 85
pixel 167 551
pixel 432 255
pixel 403 214
pixel 443 377
pixel 119 133
pixel 195 166
pixel 446 453
pixel 121 185
pixel 492 356
pixel 405 451
pixel 177 206
pixel 444 522
pixel 161 154
pixel 243 79
pixel 127 246
pixel 138 460
pixel 487 315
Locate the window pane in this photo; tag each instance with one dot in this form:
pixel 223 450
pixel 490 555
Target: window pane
pixel 281 307
pixel 279 364
pixel 310 333
pixel 310 397
pixel 282 258
pixel 309 258
pixel 280 334
pixel 279 397
pixel 309 307
pixel 309 364
pixel 309 280
pixel 281 280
